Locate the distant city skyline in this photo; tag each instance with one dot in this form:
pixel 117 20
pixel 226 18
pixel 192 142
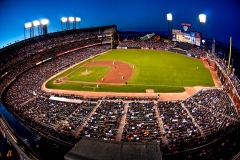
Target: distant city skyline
pixel 138 15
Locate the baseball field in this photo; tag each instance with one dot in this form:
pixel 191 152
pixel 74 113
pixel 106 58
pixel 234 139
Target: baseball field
pixel 135 71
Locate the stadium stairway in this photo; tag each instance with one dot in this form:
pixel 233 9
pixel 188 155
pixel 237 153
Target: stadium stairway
pixel 86 121
pixel 193 120
pixel 160 124
pixel 122 123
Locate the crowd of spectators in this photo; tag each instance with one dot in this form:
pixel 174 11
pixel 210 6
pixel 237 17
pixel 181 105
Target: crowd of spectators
pixel 181 132
pixel 221 63
pixel 236 82
pixel 223 67
pixel 21 50
pixel 197 52
pixel 151 43
pixel 141 123
pixel 31 81
pixel 51 54
pixel 104 122
pixel 212 110
pixel 25 93
pixel 224 145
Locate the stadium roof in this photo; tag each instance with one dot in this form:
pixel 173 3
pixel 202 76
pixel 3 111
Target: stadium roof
pixel 91 148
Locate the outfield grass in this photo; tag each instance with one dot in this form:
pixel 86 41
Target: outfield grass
pixel 159 70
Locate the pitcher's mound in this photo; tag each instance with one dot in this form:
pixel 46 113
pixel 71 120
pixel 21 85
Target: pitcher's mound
pixel 86 73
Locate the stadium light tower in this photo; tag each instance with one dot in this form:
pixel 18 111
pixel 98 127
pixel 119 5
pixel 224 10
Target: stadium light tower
pixel 68 22
pixel 170 25
pixel 38 24
pixel 169 19
pixel 30 26
pixel 203 19
pixel 64 20
pixel 44 23
pixel 72 20
pixel 78 20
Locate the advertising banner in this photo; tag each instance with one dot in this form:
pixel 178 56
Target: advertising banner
pixel 175 31
pixel 186 37
pixel 179 37
pixel 198 39
pixel 193 38
pixel 174 37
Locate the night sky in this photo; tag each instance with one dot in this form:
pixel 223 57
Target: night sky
pixel 223 16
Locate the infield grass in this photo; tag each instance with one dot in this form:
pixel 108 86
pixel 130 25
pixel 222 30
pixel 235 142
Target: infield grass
pixel 159 70
pixel 88 74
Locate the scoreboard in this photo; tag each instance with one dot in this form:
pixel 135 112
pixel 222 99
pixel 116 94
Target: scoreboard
pixel 186 36
pixel 192 37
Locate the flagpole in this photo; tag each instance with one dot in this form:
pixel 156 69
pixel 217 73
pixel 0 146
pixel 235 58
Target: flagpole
pixel 229 57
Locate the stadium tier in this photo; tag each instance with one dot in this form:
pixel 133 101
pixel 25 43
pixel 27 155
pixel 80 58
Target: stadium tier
pixel 201 124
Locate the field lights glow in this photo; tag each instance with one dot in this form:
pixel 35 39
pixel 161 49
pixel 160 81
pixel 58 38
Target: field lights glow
pixel 169 16
pixel 78 19
pixel 44 21
pixel 202 18
pixel 28 25
pixel 64 19
pixel 36 23
pixel 71 19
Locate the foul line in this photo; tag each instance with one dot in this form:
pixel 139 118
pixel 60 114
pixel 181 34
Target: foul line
pixel 88 87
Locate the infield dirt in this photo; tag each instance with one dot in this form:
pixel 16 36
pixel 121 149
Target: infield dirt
pixel 119 73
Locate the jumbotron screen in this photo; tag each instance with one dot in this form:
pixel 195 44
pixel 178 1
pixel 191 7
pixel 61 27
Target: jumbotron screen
pixel 187 37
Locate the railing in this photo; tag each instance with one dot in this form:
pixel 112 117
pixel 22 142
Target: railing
pixel 14 141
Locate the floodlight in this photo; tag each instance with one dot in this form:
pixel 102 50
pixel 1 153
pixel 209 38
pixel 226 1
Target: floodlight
pixel 71 19
pixel 78 19
pixel 28 25
pixel 44 21
pixel 202 18
pixel 36 23
pixel 64 19
pixel 169 16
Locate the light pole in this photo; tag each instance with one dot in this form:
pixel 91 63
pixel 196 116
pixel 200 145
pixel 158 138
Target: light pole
pixel 27 25
pixel 170 26
pixel 71 19
pixel 64 20
pixel 42 27
pixel 44 23
pixel 202 19
pixel 37 24
pixel 78 19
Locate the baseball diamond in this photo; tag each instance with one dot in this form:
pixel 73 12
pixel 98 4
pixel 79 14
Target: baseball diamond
pixel 175 73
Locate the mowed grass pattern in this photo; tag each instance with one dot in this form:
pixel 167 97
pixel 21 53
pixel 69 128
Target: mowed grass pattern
pixel 159 70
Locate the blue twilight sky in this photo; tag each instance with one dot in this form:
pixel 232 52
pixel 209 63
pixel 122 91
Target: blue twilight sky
pixel 223 16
